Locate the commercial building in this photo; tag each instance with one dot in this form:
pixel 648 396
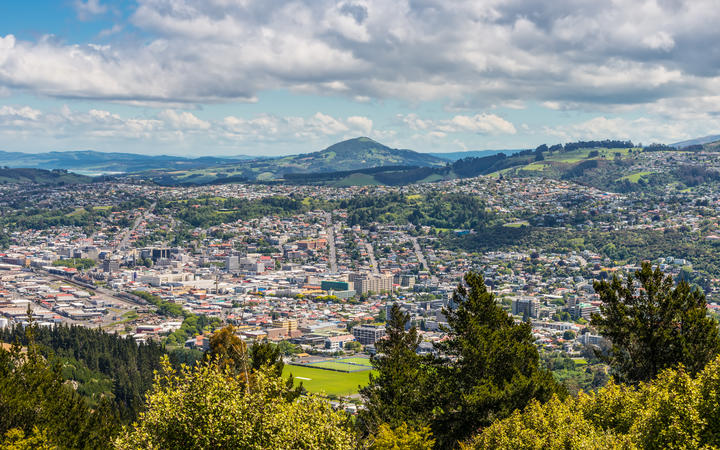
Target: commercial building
pixel 365 283
pixel 368 334
pixel 525 307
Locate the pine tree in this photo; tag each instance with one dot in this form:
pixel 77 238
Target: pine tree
pixel 395 395
pixel 654 324
pixel 264 353
pixel 486 369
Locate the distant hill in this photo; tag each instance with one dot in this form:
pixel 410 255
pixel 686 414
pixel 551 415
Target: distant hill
pixel 697 141
pixel 454 156
pixel 41 176
pixel 100 162
pixel 353 154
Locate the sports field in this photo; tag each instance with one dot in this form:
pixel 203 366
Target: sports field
pixel 327 381
pixel 337 365
pixel 357 360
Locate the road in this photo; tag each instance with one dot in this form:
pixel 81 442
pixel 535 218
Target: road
pixel 371 254
pixel 122 245
pixel 331 244
pixel 419 253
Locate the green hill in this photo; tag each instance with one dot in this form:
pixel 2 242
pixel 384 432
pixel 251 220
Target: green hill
pixel 353 154
pixel 41 176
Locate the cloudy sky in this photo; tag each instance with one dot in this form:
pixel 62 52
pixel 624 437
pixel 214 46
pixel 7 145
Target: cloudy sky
pixel 224 77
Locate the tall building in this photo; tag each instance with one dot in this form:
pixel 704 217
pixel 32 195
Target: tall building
pixel 368 334
pixel 232 264
pixel 366 282
pixel 111 265
pixel 525 306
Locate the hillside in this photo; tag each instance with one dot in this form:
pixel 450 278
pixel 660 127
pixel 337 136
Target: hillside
pixel 697 141
pixel 100 162
pixel 40 176
pixel 353 154
pixel 454 156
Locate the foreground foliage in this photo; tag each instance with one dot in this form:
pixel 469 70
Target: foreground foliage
pixel 37 410
pixel 653 325
pixel 676 410
pixel 211 406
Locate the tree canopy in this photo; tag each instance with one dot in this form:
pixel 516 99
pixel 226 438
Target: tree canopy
pixel 208 406
pixel 675 410
pixel 654 324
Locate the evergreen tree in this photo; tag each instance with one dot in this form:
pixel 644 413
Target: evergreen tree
pixel 264 353
pixel 229 351
pixel 486 369
pixel 34 401
pixel 394 396
pixel 654 324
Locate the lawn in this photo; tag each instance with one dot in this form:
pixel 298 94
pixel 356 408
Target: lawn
pixel 327 381
pixel 336 365
pixel 635 177
pixel 357 360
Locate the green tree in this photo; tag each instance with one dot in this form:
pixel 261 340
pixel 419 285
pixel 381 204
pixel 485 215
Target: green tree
pixel 265 353
pixel 394 396
pixel 402 437
pixel 33 396
pixel 674 410
pixel 208 407
pixel 654 324
pixel 229 351
pixel 486 369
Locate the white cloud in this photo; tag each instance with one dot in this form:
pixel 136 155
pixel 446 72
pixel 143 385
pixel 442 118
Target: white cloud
pixel 643 129
pixel 479 123
pixel 566 52
pixel 89 8
pixel 184 120
pixel 360 123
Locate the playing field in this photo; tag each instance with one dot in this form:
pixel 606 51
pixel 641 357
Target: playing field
pixel 357 360
pixel 327 381
pixel 337 365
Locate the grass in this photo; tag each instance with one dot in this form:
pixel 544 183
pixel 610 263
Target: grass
pixel 336 365
pixel 536 166
pixel 522 223
pixel 635 177
pixel 327 381
pixel 357 179
pixel 357 360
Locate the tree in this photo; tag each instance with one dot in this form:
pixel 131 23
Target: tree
pixel 264 353
pixel 38 409
pixel 486 369
pixel 402 437
pixel 229 351
pixel 675 410
pixel 207 407
pixel 395 395
pixel 654 324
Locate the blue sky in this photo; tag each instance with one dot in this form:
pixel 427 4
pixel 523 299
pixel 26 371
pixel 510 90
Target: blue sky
pixel 270 77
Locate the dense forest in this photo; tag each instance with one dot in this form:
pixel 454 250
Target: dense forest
pixel 83 353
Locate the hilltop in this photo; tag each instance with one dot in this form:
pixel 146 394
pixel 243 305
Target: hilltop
pixel 353 154
pixel 101 162
pixel 41 176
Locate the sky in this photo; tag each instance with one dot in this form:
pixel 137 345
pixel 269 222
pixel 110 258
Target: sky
pixel 273 77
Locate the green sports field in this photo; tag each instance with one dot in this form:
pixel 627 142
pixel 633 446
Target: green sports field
pixel 337 365
pixel 327 381
pixel 357 360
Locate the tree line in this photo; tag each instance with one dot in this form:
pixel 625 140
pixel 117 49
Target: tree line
pixel 483 386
